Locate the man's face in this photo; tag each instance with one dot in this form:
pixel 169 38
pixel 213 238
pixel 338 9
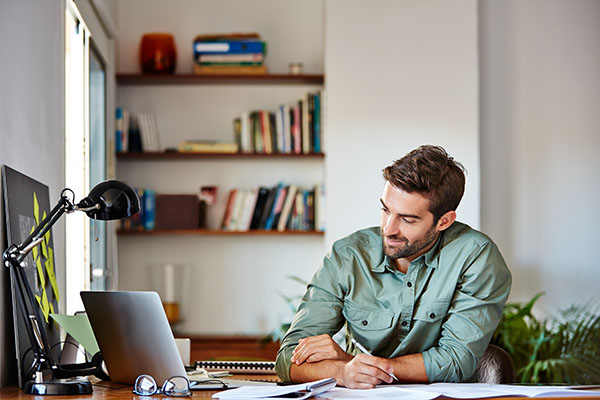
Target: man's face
pixel 407 226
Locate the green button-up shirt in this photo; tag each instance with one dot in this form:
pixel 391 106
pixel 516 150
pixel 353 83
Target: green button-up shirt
pixel 446 306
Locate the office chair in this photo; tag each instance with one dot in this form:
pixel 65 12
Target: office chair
pixel 495 366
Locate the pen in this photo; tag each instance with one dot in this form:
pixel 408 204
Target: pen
pixel 362 348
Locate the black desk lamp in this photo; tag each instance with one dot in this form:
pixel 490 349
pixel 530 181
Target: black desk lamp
pixel 107 200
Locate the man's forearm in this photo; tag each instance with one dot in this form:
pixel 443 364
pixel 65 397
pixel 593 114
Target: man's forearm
pixel 408 369
pixel 307 372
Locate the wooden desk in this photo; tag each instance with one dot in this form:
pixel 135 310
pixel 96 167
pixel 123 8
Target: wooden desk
pixel 116 391
pixel 113 391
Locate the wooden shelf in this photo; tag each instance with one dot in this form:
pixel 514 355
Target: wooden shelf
pixel 218 232
pixel 191 79
pixel 172 155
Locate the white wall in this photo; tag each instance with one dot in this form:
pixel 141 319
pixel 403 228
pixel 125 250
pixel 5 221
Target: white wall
pixel 540 144
pixel 399 74
pixel 31 124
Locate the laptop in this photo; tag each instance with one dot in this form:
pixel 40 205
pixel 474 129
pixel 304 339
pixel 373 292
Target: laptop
pixel 134 335
pixel 135 338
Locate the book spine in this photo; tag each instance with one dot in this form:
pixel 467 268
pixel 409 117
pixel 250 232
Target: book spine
pixel 228 209
pixel 287 208
pixel 246 137
pixel 119 130
pixel 305 126
pixel 228 47
pixel 317 123
pixel 149 209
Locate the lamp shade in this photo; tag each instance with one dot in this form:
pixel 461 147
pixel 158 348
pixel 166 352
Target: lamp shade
pixel 116 199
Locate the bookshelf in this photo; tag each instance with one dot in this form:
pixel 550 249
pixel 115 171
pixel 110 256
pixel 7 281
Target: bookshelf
pixel 192 79
pixel 173 155
pixel 220 232
pixel 189 105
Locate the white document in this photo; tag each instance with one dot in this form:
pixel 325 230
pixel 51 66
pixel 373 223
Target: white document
pixel 300 391
pixel 480 390
pixel 381 392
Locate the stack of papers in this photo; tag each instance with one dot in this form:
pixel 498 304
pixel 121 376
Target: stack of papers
pixel 457 391
pixel 300 391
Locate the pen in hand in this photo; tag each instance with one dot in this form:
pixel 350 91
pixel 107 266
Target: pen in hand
pixel 362 348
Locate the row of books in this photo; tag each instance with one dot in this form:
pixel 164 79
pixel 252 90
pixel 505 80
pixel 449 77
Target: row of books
pixel 293 128
pixel 233 53
pixel 135 133
pixel 282 207
pixel 145 219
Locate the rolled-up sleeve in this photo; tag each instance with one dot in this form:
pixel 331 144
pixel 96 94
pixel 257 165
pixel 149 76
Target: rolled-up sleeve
pixel 319 312
pixel 474 313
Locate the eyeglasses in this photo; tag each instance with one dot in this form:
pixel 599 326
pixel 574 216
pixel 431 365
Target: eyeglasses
pixel 175 386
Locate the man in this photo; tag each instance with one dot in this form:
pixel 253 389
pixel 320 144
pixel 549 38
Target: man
pixel 423 293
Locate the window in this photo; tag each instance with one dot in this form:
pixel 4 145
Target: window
pixel 97 163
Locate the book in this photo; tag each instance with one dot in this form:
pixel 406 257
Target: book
pixel 317 123
pixel 237 210
pixel 228 209
pixel 299 391
pixel 226 59
pixel 177 211
pixel 227 46
pixel 263 193
pixel 287 208
pixel 256 132
pixel 148 132
pixel 230 69
pixel 296 133
pixel 248 210
pixel 277 205
pixel 279 130
pixel 319 205
pixel 246 137
pixel 207 146
pixel 268 206
pixel 305 124
pixel 209 37
pixel 265 130
pixel 119 130
pixel 149 209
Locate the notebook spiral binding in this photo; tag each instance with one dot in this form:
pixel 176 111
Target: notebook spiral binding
pixel 238 367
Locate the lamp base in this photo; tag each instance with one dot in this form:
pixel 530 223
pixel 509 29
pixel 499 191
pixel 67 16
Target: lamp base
pixel 58 387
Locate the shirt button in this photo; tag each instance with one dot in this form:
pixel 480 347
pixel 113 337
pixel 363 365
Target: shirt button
pixel 432 315
pixel 409 284
pixel 365 322
pixel 404 323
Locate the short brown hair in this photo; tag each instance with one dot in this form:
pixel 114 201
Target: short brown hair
pixel 431 172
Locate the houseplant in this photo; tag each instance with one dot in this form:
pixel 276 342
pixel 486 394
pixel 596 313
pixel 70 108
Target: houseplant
pixel 557 349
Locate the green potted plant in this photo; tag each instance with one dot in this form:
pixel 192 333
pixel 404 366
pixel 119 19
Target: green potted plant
pixel 563 349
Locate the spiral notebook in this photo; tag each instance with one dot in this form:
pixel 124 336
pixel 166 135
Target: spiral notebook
pixel 238 367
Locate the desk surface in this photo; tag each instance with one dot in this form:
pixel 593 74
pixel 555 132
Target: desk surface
pixel 114 391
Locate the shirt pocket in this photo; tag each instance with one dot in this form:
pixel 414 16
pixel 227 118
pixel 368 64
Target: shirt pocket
pixel 431 311
pixel 367 319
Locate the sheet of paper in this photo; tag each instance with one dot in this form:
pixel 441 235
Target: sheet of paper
pixel 258 392
pixel 381 392
pixel 79 327
pixel 479 390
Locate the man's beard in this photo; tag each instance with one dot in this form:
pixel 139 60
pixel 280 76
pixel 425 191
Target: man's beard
pixel 409 248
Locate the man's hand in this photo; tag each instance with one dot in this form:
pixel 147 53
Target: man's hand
pixel 318 348
pixel 366 372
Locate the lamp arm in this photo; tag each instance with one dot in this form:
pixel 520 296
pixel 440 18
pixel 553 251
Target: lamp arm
pixel 13 257
pixel 65 205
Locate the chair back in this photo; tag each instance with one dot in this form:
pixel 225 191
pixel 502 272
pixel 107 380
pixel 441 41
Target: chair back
pixel 495 366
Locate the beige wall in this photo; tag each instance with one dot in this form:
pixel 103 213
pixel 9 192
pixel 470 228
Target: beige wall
pixel 540 144
pixel 31 123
